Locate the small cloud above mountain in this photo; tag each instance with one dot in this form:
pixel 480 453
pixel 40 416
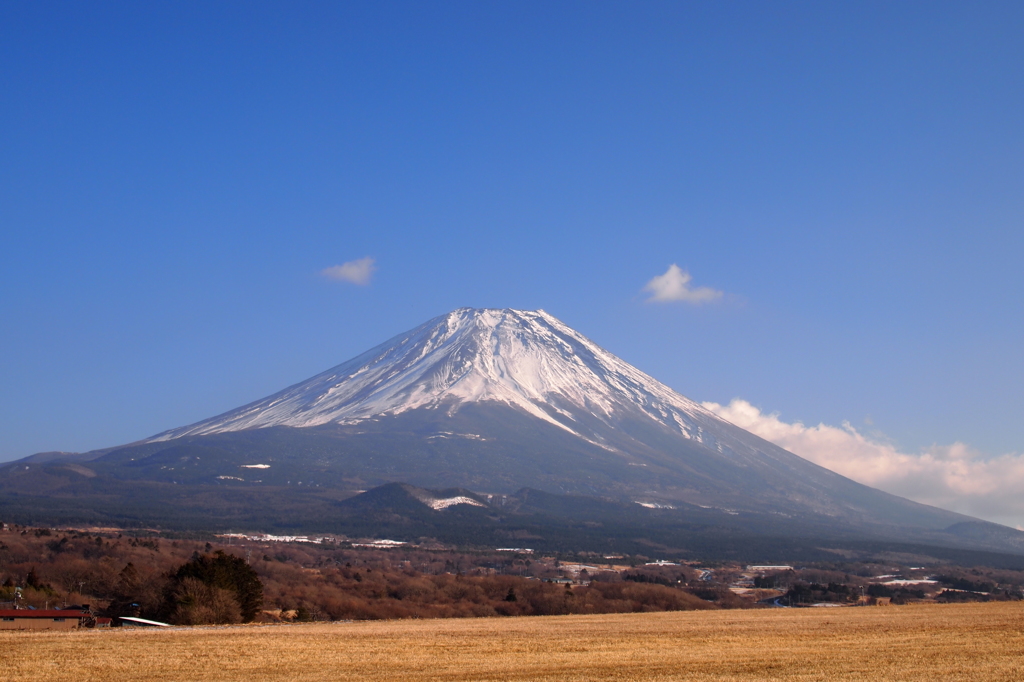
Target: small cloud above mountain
pixel 354 271
pixel 674 285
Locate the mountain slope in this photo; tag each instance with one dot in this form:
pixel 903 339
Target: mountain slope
pixel 486 379
pixel 495 401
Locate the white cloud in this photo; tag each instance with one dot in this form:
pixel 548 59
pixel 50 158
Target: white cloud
pixel 954 477
pixel 674 285
pixel 355 271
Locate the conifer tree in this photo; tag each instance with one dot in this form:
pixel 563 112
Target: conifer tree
pixel 222 572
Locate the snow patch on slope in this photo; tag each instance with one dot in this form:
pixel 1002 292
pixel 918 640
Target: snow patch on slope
pixel 439 504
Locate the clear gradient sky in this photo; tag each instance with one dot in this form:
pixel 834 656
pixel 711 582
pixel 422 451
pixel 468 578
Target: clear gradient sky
pixel 176 177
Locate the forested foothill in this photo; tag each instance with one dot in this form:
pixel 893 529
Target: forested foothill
pixel 211 579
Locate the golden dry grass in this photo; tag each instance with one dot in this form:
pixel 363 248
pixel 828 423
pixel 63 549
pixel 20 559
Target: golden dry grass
pixel 927 642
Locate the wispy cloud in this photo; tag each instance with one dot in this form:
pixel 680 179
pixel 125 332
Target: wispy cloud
pixel 355 271
pixel 674 285
pixel 955 477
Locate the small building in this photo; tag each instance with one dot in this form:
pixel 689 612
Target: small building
pixel 45 619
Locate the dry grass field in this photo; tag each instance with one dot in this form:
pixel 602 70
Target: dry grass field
pixel 927 642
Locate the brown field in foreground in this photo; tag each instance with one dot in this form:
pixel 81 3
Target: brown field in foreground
pixel 925 642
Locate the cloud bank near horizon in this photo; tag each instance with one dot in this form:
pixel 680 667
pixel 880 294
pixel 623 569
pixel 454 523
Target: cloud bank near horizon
pixel 954 477
pixel 354 271
pixel 674 285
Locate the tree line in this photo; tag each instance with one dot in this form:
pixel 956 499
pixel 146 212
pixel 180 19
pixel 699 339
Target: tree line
pixel 190 582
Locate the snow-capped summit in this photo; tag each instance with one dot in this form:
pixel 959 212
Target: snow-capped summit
pixel 525 359
pixel 495 400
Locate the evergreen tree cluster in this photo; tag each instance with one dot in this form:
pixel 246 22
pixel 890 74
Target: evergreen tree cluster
pixel 214 588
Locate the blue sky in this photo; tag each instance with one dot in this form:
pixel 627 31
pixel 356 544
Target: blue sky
pixel 175 176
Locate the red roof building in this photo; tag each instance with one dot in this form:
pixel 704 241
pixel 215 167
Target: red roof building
pixel 48 619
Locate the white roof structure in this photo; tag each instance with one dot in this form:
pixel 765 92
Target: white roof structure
pixel 142 621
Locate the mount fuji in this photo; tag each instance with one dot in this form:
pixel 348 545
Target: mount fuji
pixel 485 401
pixel 527 360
